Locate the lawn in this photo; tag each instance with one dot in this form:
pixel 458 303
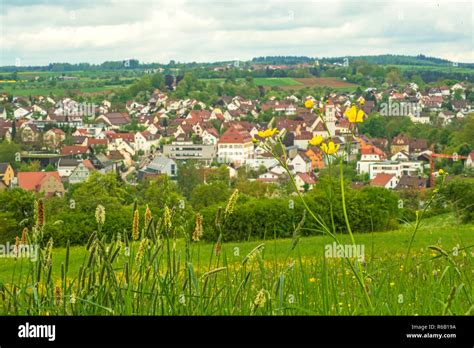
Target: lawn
pixel 259 277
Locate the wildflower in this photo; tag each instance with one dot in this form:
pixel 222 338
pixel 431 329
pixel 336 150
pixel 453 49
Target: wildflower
pixel 100 214
pixel 316 140
pixel 309 104
pixel 261 298
pixel 330 148
pixel 136 220
pixel 392 284
pixel 354 114
pixel 268 133
pixel 72 298
pixel 231 203
pixel 361 101
pixel 40 219
pixel 49 252
pixel 197 234
pixel 148 216
pixel 312 280
pixel 441 172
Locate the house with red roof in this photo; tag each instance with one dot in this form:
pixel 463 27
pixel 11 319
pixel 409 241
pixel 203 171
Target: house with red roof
pixel 48 183
pixel 74 151
pixel 388 181
pixel 235 146
pixel 304 181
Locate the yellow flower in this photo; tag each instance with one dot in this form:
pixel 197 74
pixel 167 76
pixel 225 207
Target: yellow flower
pixel 309 104
pixel 392 284
pixel 441 172
pixel 312 280
pixel 361 101
pixel 267 133
pixel 316 140
pixel 330 148
pixel 354 114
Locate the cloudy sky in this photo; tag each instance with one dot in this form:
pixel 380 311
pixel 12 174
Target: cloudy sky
pixel 37 32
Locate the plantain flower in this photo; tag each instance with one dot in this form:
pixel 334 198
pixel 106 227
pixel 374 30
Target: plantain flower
pixel 316 140
pixel 330 148
pixel 100 214
pixel 136 220
pixel 148 216
pixel 354 114
pixel 197 234
pixel 309 104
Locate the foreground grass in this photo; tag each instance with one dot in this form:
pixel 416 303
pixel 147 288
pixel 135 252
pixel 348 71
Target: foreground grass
pixel 272 280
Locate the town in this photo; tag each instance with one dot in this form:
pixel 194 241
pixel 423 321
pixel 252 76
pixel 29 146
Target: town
pixel 61 140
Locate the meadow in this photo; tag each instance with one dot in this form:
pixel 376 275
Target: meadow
pixel 163 273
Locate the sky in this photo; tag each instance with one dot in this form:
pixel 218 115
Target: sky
pixel 38 32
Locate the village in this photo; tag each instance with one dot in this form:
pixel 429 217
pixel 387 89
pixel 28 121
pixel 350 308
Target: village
pixel 68 139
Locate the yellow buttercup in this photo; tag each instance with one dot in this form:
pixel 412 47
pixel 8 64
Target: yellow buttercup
pixel 330 148
pixel 316 140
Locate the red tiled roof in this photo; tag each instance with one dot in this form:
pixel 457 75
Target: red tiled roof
pixel 33 180
pixel 381 179
pixel 306 178
pixel 74 150
pixel 232 136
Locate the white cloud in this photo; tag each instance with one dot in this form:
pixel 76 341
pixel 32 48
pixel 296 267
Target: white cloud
pixel 40 32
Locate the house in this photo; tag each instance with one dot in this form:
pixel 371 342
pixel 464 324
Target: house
pixel 160 165
pixel 301 140
pixel 304 181
pixel 301 163
pixel 146 141
pixel 22 111
pixel 81 172
pixel 48 183
pixel 369 154
pixel 53 137
pixel 210 136
pixel 66 166
pixel 29 133
pixel 6 175
pixel 417 146
pixel 470 160
pixel 74 151
pixel 186 150
pixel 388 181
pixel 316 156
pixel 235 146
pixel 411 182
pixel 400 156
pixel 114 120
pixel 400 143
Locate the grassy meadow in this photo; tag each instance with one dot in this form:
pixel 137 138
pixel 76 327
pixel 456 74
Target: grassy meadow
pixel 162 273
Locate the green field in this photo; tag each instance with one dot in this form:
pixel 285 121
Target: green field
pixel 280 278
pixel 275 81
pixel 34 91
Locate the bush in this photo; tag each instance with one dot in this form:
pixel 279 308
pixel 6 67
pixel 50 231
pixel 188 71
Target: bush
pixel 371 209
